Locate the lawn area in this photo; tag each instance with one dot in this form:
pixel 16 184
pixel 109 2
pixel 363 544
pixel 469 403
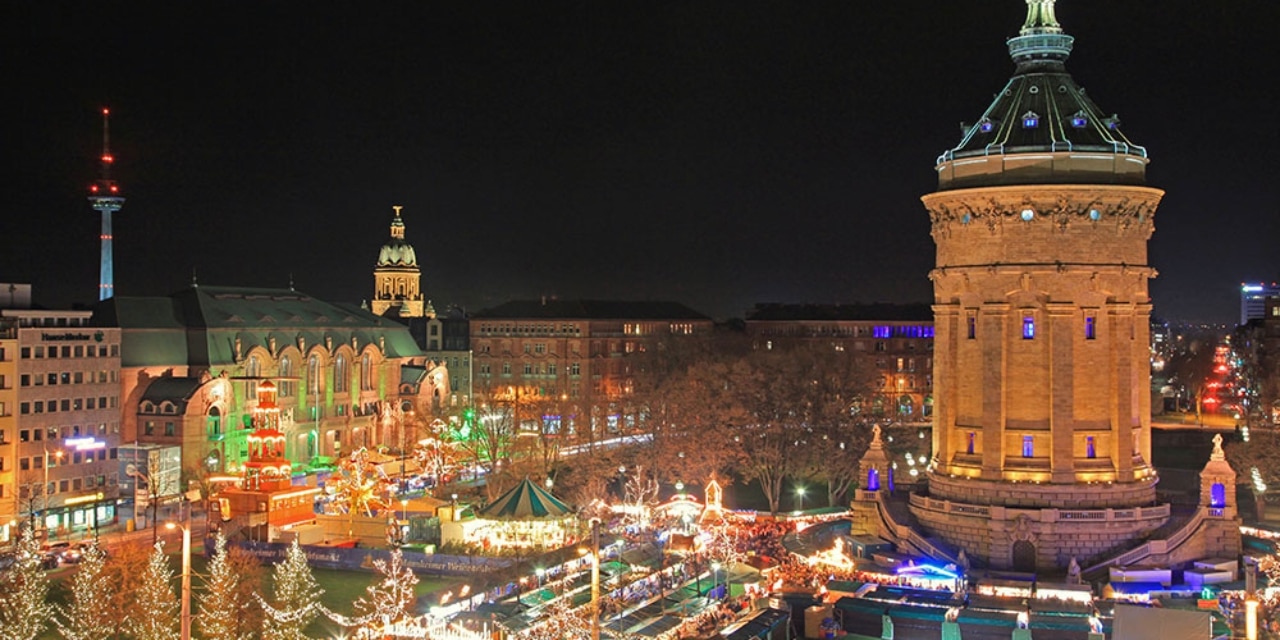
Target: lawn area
pixel 341 590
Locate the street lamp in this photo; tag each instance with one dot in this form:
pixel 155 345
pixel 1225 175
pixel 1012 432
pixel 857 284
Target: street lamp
pixel 186 578
pixel 594 556
pixel 800 498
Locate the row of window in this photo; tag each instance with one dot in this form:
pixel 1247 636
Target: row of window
pixel 75 457
pixel 905 383
pixel 531 329
pixel 69 351
pixel 880 346
pixel 67 404
pixel 55 433
pixel 1029 445
pixel 531 368
pixel 1029 327
pixel 67 377
pixel 71 484
pixel 341 375
pixel 149 428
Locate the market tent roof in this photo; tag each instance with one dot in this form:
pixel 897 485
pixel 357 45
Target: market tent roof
pixel 1142 623
pixel 526 500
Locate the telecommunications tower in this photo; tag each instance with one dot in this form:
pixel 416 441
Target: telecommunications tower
pixel 105 196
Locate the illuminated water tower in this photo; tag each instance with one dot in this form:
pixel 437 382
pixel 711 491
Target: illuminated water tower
pixel 1041 376
pixel 104 195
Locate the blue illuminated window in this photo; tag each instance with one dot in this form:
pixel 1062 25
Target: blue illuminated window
pixel 1030 120
pixel 973 326
pixel 1028 328
pixel 1217 496
pixel 880 331
pixel 1090 328
pixel 873 479
pixel 1028 447
pixel 1090 451
pixel 969 447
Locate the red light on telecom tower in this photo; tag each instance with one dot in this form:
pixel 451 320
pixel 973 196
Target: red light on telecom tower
pixel 93 188
pixel 106 111
pixel 108 159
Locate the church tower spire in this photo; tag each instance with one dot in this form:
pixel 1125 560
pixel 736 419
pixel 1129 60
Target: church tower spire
pixel 396 277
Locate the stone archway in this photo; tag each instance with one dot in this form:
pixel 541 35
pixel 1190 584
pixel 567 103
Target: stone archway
pixel 1024 556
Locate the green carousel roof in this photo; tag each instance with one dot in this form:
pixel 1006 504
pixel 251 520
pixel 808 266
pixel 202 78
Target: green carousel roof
pixel 526 500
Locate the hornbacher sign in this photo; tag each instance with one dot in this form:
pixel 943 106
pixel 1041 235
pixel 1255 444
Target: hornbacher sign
pixel 62 337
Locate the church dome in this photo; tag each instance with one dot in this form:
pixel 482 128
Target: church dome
pixel 1040 111
pixel 396 252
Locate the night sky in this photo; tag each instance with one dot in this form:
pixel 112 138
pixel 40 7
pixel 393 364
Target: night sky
pixel 715 153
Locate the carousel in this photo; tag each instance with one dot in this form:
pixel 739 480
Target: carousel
pixel 527 516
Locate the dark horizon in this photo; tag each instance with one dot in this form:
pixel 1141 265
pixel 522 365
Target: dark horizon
pixel 716 154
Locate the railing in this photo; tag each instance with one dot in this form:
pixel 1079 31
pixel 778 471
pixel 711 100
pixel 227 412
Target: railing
pixel 1153 547
pixel 1047 515
pixel 905 532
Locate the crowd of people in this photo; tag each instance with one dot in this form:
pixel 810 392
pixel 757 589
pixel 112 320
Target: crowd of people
pixel 1232 606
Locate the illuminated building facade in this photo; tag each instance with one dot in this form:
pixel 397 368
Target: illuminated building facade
pixel 192 363
pixel 566 360
pixel 898 339
pixel 59 420
pixel 1041 376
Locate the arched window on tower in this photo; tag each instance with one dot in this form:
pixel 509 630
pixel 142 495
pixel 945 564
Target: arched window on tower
pixel 286 372
pixel 313 375
pixel 252 369
pixel 340 374
pixel 873 479
pixel 366 373
pixel 214 420
pixel 1217 496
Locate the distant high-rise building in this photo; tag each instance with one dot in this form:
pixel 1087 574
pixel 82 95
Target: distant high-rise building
pixel 1253 299
pixel 106 199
